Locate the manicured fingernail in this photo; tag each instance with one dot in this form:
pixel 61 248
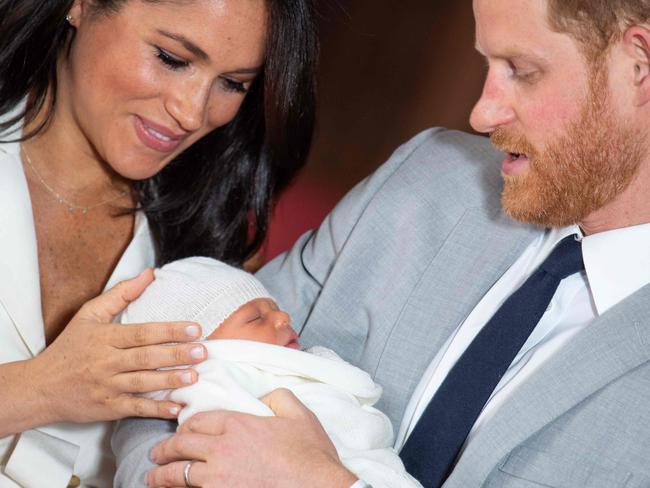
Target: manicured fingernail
pixel 197 352
pixel 174 411
pixel 186 378
pixel 192 330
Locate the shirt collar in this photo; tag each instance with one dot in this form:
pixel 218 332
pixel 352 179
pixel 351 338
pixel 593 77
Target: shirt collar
pixel 617 263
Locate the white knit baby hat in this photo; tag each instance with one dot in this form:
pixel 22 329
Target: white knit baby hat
pixel 196 289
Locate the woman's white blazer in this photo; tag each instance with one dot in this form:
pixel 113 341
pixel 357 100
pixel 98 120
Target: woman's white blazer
pixel 48 456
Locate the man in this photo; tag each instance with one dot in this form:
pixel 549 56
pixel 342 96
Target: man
pixel 414 267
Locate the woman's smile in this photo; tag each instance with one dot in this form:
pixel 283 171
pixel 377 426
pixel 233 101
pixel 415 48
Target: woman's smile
pixel 157 137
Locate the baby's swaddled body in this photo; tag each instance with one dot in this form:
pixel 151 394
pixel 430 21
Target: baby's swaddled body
pixel 238 372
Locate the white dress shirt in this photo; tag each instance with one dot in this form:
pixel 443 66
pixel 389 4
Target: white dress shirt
pixel 617 263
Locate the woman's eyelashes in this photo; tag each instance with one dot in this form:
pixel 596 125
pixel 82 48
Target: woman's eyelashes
pixel 175 64
pixel 170 61
pixel 234 85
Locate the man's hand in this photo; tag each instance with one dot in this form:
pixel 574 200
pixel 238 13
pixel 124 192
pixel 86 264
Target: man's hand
pixel 240 450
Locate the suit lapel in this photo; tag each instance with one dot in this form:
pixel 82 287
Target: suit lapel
pixel 478 251
pixel 20 282
pixel 612 345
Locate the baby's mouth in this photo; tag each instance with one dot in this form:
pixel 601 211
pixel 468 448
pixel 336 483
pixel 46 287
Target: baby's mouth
pixel 293 342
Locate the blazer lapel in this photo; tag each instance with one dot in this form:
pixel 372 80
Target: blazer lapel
pixel 475 255
pixel 614 344
pixel 20 282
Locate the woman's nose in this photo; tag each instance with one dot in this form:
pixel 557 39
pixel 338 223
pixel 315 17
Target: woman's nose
pixel 492 110
pixel 188 105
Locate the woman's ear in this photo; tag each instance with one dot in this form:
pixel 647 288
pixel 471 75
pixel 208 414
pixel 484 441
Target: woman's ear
pixel 636 42
pixel 76 12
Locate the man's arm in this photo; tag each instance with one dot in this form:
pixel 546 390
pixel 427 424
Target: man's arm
pixel 296 278
pixel 132 442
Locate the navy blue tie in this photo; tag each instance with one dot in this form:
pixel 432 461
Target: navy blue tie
pixel 434 444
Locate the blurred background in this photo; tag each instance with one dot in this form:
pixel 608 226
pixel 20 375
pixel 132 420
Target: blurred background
pixel 388 70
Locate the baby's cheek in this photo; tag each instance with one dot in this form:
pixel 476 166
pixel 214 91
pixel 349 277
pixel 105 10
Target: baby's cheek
pixel 220 333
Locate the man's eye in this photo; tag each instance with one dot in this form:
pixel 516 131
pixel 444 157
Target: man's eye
pixel 170 61
pixel 521 75
pixel 527 76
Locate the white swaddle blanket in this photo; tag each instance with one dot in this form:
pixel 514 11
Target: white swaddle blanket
pixel 342 396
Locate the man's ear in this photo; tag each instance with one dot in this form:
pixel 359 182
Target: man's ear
pixel 636 42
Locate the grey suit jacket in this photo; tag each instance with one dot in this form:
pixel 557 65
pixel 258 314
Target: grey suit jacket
pixel 399 264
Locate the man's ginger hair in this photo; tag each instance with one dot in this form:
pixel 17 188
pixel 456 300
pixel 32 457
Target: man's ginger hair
pixel 597 24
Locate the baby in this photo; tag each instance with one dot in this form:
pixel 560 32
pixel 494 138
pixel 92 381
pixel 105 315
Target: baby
pixel 252 350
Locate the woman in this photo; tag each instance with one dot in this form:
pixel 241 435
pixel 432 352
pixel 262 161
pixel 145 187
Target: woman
pixel 135 132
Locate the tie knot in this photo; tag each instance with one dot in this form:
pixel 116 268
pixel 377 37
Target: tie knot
pixel 565 259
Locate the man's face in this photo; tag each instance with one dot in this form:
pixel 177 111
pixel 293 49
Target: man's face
pixel 568 152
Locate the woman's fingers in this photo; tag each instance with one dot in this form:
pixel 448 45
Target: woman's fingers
pixel 125 336
pixel 165 356
pixel 109 304
pixel 133 406
pixel 173 474
pixel 147 381
pixel 112 361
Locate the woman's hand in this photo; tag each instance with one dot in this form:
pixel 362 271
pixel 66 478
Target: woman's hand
pixel 93 369
pixel 236 449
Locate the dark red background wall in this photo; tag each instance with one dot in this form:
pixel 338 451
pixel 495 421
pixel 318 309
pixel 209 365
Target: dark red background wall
pixel 388 70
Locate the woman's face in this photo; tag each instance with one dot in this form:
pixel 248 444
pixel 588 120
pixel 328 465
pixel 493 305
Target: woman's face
pixel 145 83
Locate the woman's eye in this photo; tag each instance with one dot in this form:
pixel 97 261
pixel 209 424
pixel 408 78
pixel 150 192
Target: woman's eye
pixel 170 61
pixel 234 85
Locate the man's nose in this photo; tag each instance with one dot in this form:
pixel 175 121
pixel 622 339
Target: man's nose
pixel 492 110
pixel 188 105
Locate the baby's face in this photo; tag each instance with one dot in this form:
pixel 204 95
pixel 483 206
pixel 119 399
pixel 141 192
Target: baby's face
pixel 258 320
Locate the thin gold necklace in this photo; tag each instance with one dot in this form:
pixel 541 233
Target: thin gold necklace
pixel 72 208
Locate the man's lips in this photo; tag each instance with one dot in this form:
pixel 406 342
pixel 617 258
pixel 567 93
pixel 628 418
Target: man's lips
pixel 156 136
pixel 514 163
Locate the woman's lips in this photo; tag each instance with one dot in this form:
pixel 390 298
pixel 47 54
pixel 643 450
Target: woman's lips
pixel 156 137
pixel 514 164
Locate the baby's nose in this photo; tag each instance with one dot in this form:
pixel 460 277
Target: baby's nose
pixel 281 319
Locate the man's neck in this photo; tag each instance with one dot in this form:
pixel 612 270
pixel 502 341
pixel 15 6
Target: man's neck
pixel 631 207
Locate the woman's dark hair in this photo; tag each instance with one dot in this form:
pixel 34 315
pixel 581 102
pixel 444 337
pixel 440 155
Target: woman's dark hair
pixel 214 199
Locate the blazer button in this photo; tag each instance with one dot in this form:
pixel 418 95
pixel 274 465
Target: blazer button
pixel 74 481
